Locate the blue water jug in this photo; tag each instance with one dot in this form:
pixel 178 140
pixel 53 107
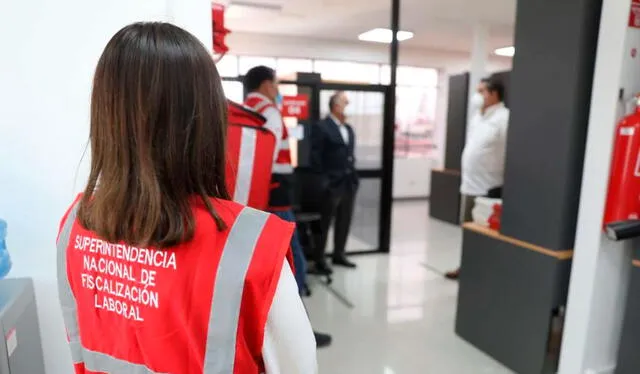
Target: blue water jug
pixel 5 259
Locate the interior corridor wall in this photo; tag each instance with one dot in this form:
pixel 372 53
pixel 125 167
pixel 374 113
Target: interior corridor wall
pixel 50 49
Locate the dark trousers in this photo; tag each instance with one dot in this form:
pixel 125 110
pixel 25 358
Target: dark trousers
pixel 339 210
pixel 299 261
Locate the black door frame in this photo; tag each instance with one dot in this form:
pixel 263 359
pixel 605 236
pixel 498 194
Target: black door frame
pixel 385 172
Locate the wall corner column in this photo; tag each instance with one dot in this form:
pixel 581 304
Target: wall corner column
pixel 479 60
pixel 601 268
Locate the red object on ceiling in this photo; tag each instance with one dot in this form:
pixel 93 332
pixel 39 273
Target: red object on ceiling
pixel 219 31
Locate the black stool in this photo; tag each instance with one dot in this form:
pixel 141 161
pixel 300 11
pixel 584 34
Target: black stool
pixel 307 202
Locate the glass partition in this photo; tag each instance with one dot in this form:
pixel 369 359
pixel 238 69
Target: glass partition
pixel 365 113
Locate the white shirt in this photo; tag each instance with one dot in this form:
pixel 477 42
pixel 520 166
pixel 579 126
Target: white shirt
pixel 343 129
pixel 289 345
pixel 484 152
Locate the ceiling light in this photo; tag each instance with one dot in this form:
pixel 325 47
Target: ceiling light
pixel 505 51
pixel 381 35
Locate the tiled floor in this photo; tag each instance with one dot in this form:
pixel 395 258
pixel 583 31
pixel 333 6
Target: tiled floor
pixel 403 310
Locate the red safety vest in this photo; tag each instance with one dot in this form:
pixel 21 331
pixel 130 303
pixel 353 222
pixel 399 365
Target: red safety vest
pixel 198 308
pixel 282 164
pixel 250 150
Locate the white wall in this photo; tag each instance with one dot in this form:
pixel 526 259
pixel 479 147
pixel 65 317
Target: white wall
pixel 412 177
pixel 440 136
pixel 50 49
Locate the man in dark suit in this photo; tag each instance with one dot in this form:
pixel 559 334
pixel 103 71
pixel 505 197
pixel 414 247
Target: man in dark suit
pixel 332 158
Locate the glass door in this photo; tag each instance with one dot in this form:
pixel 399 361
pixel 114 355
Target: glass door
pixel 369 115
pixel 366 114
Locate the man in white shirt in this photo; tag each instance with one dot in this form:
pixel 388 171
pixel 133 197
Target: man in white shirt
pixel 484 151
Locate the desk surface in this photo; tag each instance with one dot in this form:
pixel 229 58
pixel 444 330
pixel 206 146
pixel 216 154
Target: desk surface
pixel 447 171
pixel 560 255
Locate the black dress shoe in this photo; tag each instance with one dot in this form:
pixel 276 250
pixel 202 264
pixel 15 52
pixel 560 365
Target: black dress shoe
pixel 342 261
pixel 322 340
pixel 453 275
pixel 320 268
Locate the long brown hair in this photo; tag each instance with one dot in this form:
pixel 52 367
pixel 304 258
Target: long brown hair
pixel 158 127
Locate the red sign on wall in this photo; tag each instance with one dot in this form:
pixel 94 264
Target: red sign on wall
pixel 295 106
pixel 634 15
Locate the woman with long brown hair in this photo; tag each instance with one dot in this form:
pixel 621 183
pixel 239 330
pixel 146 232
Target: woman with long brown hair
pixel 157 271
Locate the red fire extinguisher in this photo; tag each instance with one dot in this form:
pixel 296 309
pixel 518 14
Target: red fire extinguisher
pixel 623 197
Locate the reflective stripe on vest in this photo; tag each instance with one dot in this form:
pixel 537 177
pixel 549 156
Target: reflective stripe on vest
pixel 282 169
pixel 261 106
pixel 67 300
pixel 282 163
pixel 249 164
pixel 226 301
pixel 248 144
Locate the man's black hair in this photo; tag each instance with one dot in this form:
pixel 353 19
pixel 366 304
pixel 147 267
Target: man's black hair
pixel 495 85
pixel 256 76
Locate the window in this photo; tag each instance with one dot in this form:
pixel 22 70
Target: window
pixel 416 100
pixel 385 74
pixel 233 91
pixel 348 71
pixel 415 120
pixel 410 76
pixel 228 66
pixel 247 62
pixel 288 66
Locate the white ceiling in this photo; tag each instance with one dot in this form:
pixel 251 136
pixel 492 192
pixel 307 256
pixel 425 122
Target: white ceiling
pixel 437 24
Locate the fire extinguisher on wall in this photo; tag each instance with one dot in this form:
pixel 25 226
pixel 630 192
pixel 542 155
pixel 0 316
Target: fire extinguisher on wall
pixel 623 197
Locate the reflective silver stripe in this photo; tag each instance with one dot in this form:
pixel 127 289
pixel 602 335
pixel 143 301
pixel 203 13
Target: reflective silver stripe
pixel 67 300
pixel 282 168
pixel 261 106
pixel 285 145
pixel 76 351
pixel 102 363
pixel 227 293
pixel 93 361
pixel 248 144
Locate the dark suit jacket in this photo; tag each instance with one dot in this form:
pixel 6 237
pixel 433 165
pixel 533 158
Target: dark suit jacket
pixel 332 159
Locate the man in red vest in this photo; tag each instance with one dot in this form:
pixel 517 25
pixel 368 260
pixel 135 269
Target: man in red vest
pixel 262 86
pixel 250 148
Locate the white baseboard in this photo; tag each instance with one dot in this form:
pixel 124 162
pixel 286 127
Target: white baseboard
pixel 608 370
